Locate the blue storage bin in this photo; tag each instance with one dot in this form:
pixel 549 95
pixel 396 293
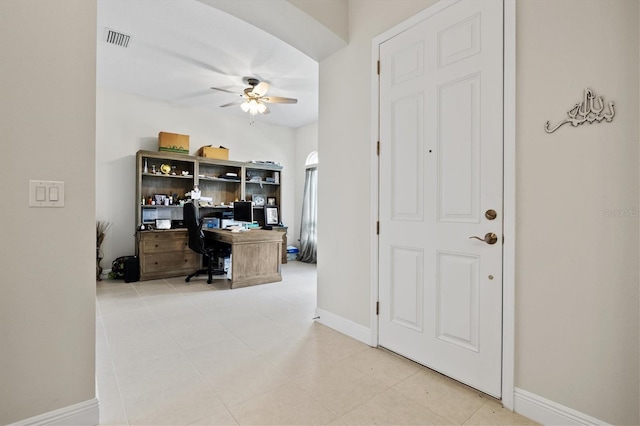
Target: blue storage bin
pixel 292 253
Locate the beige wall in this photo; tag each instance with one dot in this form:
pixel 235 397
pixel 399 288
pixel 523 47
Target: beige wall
pixel 577 290
pixel 577 283
pixel 127 123
pixel 577 199
pixel 47 278
pixel 333 14
pixel 344 186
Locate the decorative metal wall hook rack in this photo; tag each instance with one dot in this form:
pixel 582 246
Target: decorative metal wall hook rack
pixel 590 110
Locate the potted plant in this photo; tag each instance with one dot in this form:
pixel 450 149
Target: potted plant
pixel 101 230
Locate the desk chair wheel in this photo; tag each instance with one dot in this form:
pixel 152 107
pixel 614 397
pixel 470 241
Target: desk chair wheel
pixel 205 272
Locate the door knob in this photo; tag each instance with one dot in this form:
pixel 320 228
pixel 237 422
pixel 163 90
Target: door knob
pixel 489 238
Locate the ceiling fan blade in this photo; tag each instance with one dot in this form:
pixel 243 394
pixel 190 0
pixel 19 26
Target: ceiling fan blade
pixel 231 104
pixel 279 100
pixel 224 90
pixel 260 89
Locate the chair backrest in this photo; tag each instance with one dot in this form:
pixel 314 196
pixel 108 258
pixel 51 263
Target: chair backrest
pixel 196 237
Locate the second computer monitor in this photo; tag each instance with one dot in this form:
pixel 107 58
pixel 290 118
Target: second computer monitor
pixel 243 211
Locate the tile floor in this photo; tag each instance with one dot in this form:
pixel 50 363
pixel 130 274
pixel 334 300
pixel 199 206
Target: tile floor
pixel 172 353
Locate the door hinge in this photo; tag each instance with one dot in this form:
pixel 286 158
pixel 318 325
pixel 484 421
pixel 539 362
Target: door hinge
pixel 378 67
pixel 377 308
pixel 378 149
pixel 378 228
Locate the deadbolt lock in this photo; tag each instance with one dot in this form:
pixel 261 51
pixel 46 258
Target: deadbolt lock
pixel 490 214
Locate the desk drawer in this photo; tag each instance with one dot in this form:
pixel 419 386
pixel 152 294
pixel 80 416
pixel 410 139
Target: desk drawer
pixel 165 254
pixel 169 262
pixel 159 242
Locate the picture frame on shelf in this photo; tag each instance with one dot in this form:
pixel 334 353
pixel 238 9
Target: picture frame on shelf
pixel 259 200
pixel 271 217
pixel 271 201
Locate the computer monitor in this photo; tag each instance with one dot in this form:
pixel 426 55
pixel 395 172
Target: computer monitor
pixel 243 211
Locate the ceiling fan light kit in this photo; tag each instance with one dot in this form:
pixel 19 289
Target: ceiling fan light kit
pixel 255 100
pixel 253 107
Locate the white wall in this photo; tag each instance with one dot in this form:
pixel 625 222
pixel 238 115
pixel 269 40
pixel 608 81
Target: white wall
pixel 314 27
pixel 127 123
pixel 577 289
pixel 306 143
pixel 577 202
pixel 47 278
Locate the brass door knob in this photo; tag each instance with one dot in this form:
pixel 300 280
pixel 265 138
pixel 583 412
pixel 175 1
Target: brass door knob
pixel 489 238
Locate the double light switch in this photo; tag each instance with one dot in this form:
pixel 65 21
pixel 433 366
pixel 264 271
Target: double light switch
pixel 44 193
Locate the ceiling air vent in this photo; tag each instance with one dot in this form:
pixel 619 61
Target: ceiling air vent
pixel 119 39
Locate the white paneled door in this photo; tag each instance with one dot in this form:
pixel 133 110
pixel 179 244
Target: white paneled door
pixel 441 167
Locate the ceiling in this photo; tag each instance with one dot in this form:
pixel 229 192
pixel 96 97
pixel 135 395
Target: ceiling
pixel 179 49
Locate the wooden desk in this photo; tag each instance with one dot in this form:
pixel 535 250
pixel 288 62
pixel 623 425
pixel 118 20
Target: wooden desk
pixel 283 231
pixel 165 253
pixel 255 255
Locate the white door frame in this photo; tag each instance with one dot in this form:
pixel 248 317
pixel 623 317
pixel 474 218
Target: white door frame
pixel 509 183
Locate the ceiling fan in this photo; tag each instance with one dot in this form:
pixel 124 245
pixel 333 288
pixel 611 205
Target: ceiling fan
pixel 253 98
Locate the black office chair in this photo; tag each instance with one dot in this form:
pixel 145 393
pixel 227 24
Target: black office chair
pixel 197 241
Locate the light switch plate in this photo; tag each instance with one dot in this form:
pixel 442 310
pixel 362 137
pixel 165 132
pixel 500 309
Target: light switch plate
pixel 45 193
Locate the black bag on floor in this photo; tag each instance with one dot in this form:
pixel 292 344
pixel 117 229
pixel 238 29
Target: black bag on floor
pixel 131 269
pixel 125 267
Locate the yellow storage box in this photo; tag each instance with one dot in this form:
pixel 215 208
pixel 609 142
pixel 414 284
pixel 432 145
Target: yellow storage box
pixel 220 153
pixel 173 142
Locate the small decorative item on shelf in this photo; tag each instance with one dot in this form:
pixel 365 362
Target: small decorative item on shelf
pixel 271 201
pixel 195 193
pixel 258 200
pixel 271 215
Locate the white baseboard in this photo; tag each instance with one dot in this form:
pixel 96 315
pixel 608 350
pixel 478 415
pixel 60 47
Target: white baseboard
pixel 345 326
pixel 82 414
pixel 548 412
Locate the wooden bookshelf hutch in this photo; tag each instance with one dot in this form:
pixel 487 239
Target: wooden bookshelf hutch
pixel 165 178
